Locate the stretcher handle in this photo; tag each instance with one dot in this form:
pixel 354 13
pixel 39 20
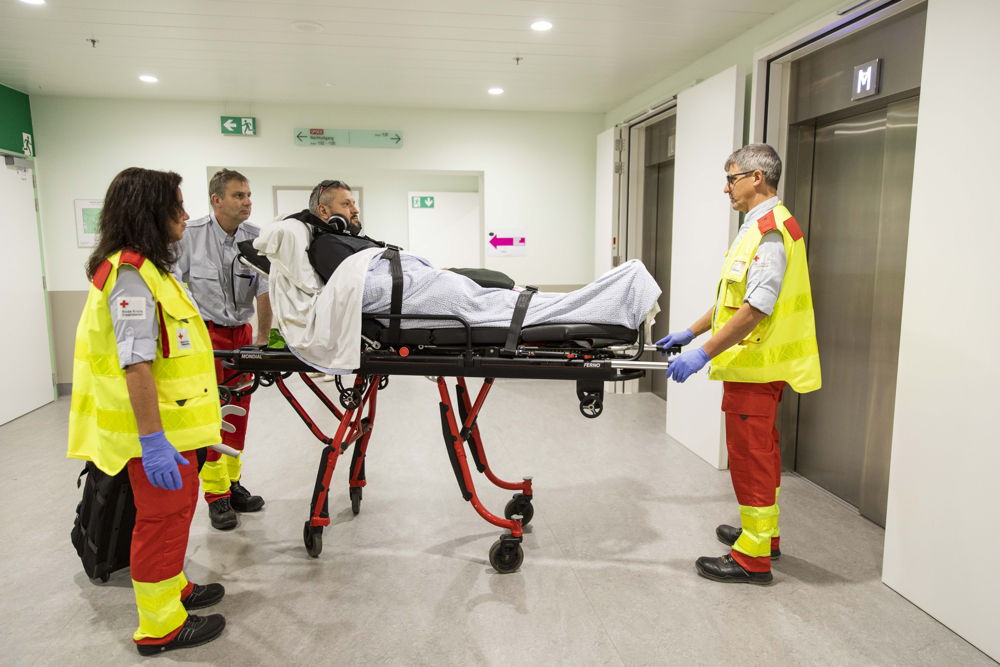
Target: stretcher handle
pixel 226 449
pixel 417 316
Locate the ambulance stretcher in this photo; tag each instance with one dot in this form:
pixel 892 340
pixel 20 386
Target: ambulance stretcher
pixel 588 354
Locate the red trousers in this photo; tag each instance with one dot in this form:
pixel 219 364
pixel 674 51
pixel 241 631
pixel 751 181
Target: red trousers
pixel 230 338
pixel 162 522
pixel 751 410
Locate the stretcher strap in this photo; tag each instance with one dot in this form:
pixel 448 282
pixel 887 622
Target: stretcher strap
pixel 396 299
pixel 520 310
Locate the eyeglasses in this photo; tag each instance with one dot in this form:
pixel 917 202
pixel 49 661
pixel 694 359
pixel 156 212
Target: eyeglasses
pixel 326 185
pixel 732 178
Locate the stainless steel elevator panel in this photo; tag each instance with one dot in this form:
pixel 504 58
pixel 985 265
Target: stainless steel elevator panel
pixel 854 194
pixel 657 228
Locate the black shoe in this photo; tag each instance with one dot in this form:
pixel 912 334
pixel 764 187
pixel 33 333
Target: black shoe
pixel 203 596
pixel 197 630
pixel 222 514
pixel 729 534
pixel 727 570
pixel 242 500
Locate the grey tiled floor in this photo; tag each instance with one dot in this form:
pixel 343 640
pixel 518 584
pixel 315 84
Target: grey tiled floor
pixel 608 577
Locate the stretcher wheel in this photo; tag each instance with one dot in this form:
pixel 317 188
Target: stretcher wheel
pixel 356 499
pixel 520 504
pixel 384 382
pixel 312 536
pixel 592 408
pixel 506 556
pixel 350 398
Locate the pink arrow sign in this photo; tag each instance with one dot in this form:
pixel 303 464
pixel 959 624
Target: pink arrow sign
pixel 498 241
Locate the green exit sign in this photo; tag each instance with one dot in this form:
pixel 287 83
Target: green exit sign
pixel 421 202
pixel 246 125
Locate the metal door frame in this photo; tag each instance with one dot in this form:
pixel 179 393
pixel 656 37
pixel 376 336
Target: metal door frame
pixel 770 104
pixel 628 186
pixel 772 65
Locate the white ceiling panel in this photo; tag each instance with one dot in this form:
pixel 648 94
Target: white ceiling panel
pixel 411 53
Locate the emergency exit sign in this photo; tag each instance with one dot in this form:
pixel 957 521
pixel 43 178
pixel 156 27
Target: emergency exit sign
pixel 246 125
pixel 421 202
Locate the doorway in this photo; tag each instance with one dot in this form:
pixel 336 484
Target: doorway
pixel 646 210
pixel 849 169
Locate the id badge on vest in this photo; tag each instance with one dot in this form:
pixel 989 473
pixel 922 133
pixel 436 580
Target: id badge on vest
pixel 181 339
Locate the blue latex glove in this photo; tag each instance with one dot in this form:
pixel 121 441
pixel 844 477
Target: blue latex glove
pixel 160 460
pixel 679 338
pixel 687 364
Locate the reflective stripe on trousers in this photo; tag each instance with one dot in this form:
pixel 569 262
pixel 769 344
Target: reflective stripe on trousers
pixel 220 471
pixel 159 543
pixel 755 467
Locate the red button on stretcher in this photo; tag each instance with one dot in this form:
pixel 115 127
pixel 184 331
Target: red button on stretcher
pixel 404 351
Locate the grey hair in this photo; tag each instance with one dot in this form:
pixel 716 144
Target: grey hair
pixel 319 193
pixel 220 179
pixel 754 157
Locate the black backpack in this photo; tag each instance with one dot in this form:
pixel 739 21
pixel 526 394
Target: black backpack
pixel 105 516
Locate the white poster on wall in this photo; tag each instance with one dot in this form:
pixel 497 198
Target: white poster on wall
pixel 445 228
pixel 506 243
pixel 88 221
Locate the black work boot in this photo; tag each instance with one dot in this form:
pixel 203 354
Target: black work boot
pixel 222 514
pixel 727 570
pixel 203 596
pixel 242 500
pixel 197 630
pixel 729 534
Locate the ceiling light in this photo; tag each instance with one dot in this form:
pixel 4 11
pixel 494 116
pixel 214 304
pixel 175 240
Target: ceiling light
pixel 148 78
pixel 33 2
pixel 495 91
pixel 541 26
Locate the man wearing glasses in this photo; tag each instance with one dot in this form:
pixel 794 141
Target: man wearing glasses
pixel 763 338
pixel 225 292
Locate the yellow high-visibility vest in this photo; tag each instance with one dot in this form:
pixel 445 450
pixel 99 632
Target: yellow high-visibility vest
pixel 783 345
pixel 102 426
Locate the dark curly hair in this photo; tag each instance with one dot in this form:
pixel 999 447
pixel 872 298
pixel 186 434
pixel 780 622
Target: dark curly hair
pixel 137 210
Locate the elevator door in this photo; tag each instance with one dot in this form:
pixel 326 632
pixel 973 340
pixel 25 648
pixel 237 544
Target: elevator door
pixel 657 229
pixel 858 196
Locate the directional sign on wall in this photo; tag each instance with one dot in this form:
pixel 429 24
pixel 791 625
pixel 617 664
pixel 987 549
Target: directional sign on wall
pixel 506 243
pixel 246 125
pixel 321 136
pixel 417 201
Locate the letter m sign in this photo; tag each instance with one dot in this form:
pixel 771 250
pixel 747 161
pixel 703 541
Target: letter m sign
pixel 866 79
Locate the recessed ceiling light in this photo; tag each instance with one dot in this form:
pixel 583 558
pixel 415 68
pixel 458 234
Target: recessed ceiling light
pixel 33 2
pixel 495 91
pixel 148 78
pixel 541 26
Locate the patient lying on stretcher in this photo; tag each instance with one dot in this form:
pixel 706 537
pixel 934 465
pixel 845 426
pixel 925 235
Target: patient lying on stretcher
pixel 322 322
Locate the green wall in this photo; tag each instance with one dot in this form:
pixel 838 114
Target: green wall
pixel 15 119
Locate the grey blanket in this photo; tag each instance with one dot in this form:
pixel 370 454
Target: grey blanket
pixel 622 296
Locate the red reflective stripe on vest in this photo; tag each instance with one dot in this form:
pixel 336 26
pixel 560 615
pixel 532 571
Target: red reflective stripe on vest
pixel 766 223
pixel 101 275
pixel 164 339
pixel 793 229
pixel 131 257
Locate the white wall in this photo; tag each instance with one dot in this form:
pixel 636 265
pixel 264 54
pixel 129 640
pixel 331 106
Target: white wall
pixel 709 128
pixel 538 168
pixel 384 192
pixel 604 201
pixel 941 539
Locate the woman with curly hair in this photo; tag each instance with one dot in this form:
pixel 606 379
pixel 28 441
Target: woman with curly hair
pixel 145 398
